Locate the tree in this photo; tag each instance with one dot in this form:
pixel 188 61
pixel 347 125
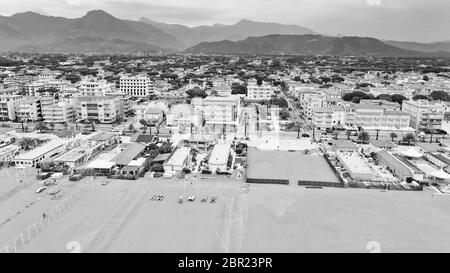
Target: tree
pixel 349 134
pixel 357 95
pixel 40 126
pixel 93 126
pixel 440 95
pixel 238 89
pixel 131 128
pixel 66 125
pixel 26 143
pixel 336 134
pixel 196 92
pixel 364 137
pixel 410 137
pixel 143 122
pixel 280 102
pixel 398 98
pixel 52 125
pixel 284 115
pixel 393 136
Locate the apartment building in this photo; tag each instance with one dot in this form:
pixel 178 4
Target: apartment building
pixel 218 111
pixel 137 86
pixel 263 92
pixel 310 100
pixel 28 109
pixel 223 90
pixel 377 116
pixel 425 115
pixel 93 87
pixel 60 112
pixel 7 106
pixel 365 116
pixel 102 109
pixel 322 118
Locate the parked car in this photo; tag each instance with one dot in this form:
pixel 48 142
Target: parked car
pixel 41 189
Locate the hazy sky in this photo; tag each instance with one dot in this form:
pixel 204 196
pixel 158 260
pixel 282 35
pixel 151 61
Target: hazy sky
pixel 412 20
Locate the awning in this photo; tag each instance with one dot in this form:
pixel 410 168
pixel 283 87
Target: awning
pixel 412 153
pixel 441 174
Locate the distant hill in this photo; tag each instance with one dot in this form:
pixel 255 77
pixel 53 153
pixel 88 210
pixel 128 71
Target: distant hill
pixel 98 31
pixel 304 45
pixel 443 46
pixel 218 32
pixel 32 31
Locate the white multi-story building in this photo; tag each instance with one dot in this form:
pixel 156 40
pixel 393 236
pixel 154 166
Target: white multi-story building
pixel 7 106
pixel 223 90
pixel 322 118
pixel 263 92
pixel 94 87
pixel 28 109
pixel 218 111
pixel 136 85
pixel 425 115
pixel 60 112
pixel 103 109
pixel 375 116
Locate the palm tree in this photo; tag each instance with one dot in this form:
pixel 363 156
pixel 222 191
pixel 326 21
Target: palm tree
pixel 144 128
pixel 364 137
pixel 40 126
pixel 349 134
pixel 393 136
pixel 410 137
pixel 300 124
pixel 26 143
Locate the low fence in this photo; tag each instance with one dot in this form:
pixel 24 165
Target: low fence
pixel 33 230
pixel 268 181
pixel 336 173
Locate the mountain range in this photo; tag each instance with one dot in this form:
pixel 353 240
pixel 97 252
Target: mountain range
pixel 98 31
pixel 239 31
pixel 304 45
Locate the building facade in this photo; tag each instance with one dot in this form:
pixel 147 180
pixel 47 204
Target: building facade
pixel 425 115
pixel 137 86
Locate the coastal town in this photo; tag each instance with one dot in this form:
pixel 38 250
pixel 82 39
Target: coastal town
pixel 207 133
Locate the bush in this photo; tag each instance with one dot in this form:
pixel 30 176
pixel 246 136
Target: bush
pixel 186 170
pixel 158 175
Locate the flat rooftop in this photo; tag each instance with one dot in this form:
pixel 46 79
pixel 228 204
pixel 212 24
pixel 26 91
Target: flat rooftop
pixel 73 155
pixel 354 162
pixel 292 166
pixel 179 156
pixel 41 150
pixel 220 154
